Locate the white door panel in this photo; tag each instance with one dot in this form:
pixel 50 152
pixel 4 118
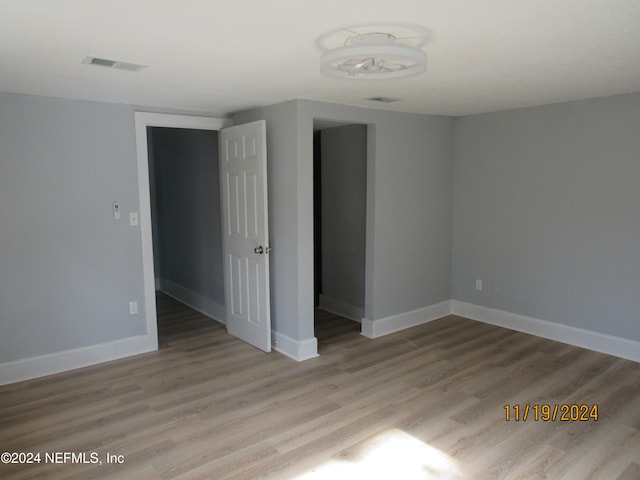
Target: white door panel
pixel 243 177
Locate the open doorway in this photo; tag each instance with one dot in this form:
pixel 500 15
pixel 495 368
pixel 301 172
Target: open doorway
pixel 143 121
pixel 186 218
pixel 340 197
pixel 243 155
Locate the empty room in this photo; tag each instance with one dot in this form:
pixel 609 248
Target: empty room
pixel 305 241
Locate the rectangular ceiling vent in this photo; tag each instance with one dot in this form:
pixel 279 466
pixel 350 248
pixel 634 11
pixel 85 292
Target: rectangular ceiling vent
pixel 104 62
pixel 383 99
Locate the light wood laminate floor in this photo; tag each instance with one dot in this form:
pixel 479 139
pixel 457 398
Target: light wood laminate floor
pixel 425 403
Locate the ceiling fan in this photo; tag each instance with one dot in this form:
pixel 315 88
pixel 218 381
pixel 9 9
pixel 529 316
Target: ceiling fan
pixel 373 56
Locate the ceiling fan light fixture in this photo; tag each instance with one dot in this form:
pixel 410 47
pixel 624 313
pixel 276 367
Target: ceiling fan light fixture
pixel 373 56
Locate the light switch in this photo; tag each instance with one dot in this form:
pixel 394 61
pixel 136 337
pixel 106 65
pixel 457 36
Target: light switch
pixel 116 211
pixel 133 219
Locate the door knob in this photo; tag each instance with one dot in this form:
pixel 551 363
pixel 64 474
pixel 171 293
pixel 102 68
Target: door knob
pixel 259 250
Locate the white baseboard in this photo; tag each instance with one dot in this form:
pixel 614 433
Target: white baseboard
pixel 395 323
pixel 338 307
pixel 299 350
pixel 34 367
pixel 204 305
pixel 600 342
pixel 25 369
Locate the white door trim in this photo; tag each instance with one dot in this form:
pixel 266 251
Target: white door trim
pixel 142 121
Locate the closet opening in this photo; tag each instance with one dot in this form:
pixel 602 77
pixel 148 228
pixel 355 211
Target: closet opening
pixel 340 214
pixel 186 221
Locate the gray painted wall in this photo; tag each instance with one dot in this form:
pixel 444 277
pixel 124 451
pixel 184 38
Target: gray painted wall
pixel 187 210
pixel 67 269
pixel 409 173
pixel 547 213
pixel 343 199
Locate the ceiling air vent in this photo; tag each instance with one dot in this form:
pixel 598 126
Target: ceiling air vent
pixel 105 62
pixel 383 99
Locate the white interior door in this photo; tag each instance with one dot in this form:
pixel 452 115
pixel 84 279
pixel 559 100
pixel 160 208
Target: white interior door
pixel 243 177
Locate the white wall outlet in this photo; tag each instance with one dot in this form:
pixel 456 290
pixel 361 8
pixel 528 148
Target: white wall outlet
pixel 478 284
pixel 133 308
pixel 133 219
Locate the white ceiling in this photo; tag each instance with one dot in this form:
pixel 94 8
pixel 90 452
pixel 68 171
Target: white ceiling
pixel 219 57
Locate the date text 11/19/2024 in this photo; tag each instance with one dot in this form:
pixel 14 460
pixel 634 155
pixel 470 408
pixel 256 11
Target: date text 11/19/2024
pixel 572 412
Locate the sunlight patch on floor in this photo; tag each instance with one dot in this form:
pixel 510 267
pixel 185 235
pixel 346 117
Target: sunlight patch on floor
pixel 393 454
